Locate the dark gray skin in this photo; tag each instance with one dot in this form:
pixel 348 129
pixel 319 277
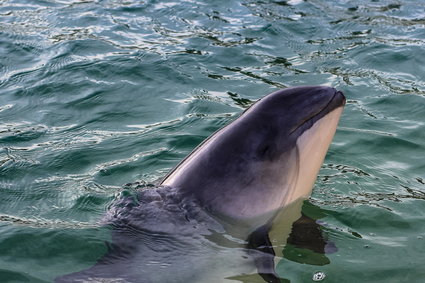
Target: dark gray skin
pixel 219 201
pixel 251 159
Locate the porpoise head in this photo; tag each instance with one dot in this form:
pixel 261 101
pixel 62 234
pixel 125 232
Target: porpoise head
pixel 267 158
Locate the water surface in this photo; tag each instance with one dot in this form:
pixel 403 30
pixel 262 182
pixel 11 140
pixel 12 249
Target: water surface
pixel 97 94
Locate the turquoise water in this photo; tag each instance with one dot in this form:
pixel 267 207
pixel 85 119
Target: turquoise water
pixel 97 94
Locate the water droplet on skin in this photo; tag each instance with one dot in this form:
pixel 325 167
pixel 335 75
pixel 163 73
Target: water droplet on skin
pixel 319 276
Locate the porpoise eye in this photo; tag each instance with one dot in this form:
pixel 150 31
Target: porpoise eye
pixel 263 151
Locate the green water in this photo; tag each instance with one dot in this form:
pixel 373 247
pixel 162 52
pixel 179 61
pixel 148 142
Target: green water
pixel 96 94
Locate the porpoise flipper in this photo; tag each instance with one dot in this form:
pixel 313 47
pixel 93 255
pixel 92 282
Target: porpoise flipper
pixel 307 234
pixel 307 239
pixel 261 249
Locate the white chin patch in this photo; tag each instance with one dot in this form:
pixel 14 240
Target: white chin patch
pixel 312 147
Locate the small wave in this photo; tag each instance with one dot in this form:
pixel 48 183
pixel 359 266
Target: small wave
pixel 45 223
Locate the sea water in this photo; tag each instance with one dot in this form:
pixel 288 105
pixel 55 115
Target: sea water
pixel 97 94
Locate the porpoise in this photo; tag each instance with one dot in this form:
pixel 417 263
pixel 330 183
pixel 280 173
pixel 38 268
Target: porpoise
pixel 209 219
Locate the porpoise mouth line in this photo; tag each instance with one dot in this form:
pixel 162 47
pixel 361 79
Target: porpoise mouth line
pixel 320 111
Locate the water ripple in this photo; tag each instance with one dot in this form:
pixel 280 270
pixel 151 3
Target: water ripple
pixel 96 94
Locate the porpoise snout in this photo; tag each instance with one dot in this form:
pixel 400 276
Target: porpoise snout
pixel 339 95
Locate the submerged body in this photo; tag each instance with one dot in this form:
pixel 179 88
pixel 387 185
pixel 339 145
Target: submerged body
pixel 224 197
